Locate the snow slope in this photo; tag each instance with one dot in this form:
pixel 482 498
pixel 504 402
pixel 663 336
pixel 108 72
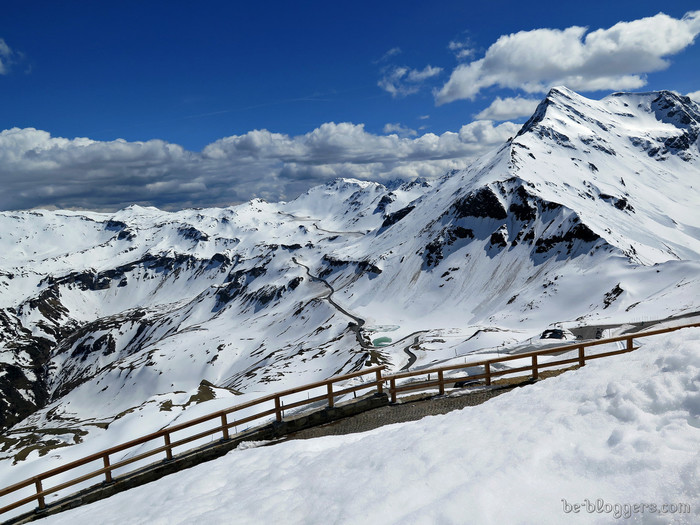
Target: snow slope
pixel 620 432
pixel 116 325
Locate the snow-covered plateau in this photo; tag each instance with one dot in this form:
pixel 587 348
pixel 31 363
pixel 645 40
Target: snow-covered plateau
pixel 114 325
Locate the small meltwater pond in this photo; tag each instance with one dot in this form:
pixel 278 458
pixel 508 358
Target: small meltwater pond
pixel 383 340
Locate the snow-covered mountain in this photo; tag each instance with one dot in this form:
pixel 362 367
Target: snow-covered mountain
pixel 114 325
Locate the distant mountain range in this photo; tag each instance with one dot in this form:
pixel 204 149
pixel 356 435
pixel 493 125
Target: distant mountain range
pixel 113 325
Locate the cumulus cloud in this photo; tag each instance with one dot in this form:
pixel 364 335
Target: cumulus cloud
pixel 402 81
pixel 484 132
pixel 347 143
pixel 614 58
pixel 38 170
pixel 509 108
pixel 400 130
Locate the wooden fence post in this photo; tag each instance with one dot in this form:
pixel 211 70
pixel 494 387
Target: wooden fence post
pixel 487 372
pixel 278 409
pixel 39 490
pixel 168 449
pixel 392 389
pixel 380 387
pixel 224 426
pixel 108 472
pixel 330 395
pixel 581 356
pixel 534 367
pixel 630 345
pixel 442 384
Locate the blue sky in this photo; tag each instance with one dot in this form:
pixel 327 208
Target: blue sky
pixel 179 104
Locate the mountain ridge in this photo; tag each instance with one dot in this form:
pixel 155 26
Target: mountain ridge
pixel 585 216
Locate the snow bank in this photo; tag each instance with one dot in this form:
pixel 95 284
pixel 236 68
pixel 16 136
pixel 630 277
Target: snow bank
pixel 623 431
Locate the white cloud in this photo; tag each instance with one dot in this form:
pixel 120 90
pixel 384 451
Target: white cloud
pixel 463 54
pixel 391 82
pixel 695 95
pixel 509 108
pixel 419 76
pixel 403 81
pixel 462 50
pixel 386 56
pixel 398 129
pixel 484 132
pixel 613 58
pixel 37 170
pixel 347 143
pixel 6 57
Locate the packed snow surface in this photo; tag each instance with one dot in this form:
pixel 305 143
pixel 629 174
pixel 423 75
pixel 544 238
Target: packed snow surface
pixel 619 438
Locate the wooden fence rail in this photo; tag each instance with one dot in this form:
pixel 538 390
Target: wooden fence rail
pixel 489 373
pixel 169 443
pixel 224 424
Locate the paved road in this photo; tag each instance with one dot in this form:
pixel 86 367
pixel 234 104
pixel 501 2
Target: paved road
pixel 399 413
pixel 358 322
pixel 411 356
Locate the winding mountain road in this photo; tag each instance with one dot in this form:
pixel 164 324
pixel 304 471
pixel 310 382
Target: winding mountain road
pixel 315 225
pixel 358 322
pixel 411 356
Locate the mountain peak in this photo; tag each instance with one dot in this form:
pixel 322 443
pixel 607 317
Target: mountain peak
pixel 561 91
pixel 665 111
pixel 557 96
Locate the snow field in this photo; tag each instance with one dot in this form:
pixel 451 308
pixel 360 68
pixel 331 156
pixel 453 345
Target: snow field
pixel 622 430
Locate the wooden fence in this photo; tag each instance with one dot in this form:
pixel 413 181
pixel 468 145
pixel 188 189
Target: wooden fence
pixel 440 379
pixel 396 386
pixel 169 443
